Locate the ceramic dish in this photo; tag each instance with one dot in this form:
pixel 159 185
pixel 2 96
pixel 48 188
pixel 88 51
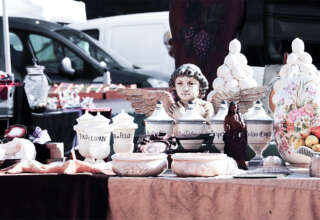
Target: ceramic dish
pixel 199 164
pixel 139 164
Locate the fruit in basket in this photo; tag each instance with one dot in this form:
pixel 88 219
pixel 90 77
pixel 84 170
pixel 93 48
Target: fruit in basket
pixel 305 133
pixel 315 131
pixel 311 140
pixel 298 142
pixel 316 147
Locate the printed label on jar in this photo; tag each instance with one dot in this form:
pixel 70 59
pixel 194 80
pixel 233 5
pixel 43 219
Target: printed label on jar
pixel 121 135
pixel 92 138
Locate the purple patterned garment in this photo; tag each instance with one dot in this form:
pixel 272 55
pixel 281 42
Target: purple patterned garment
pixel 202 30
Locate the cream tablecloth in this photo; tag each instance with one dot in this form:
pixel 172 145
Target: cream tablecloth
pixel 294 197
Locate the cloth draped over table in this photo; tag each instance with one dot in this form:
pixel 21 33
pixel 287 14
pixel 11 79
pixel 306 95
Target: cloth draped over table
pixel 202 29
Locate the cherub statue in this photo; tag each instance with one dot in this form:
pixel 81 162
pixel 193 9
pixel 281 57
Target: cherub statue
pixel 187 84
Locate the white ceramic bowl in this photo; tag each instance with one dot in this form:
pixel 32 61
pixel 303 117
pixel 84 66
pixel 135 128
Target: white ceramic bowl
pixel 199 164
pixel 139 164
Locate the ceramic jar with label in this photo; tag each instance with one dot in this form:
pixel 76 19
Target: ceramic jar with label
pixel 159 121
pixel 259 131
pixel 84 122
pixel 99 138
pixel 123 132
pixel 217 126
pixel 190 125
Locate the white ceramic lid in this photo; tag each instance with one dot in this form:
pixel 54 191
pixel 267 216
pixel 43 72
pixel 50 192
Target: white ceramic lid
pixel 139 156
pixel 222 112
pixel 85 117
pixel 257 113
pixel 191 114
pixel 159 114
pixel 123 120
pixel 199 156
pixel 100 119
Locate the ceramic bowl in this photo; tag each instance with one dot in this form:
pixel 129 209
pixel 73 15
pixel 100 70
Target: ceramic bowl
pixel 139 164
pixel 199 164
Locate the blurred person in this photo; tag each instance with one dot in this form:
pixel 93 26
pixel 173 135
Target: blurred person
pixel 167 40
pixel 201 31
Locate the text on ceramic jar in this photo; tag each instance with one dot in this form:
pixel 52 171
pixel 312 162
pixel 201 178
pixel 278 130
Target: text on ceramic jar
pixel 121 135
pixel 92 138
pixel 259 134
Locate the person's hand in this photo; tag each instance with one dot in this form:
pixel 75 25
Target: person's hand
pixel 176 110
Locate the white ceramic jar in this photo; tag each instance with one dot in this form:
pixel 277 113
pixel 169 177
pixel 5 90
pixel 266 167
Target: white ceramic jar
pixel 99 137
pixel 84 122
pixel 259 130
pixel 191 125
pixel 159 121
pixel 217 126
pixel 123 132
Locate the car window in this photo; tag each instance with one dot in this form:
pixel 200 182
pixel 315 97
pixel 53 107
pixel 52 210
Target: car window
pixel 17 52
pixel 50 54
pixel 15 42
pixel 86 44
pixel 94 33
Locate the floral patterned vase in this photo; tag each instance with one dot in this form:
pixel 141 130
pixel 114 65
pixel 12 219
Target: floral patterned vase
pixel 297 100
pixel 296 115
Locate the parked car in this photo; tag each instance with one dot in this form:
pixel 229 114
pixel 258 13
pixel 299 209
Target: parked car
pixel 271 25
pixel 69 55
pixel 137 37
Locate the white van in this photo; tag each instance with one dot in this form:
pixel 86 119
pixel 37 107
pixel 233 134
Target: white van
pixel 136 37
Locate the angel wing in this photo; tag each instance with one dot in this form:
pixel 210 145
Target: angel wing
pixel 245 98
pixel 144 101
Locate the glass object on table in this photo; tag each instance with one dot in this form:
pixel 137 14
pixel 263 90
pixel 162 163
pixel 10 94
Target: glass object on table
pixel 259 128
pixel 217 126
pixel 123 132
pixel 36 87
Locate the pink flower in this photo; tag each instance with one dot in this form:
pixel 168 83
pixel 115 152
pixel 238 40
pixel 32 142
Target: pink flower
pixel 308 109
pixel 293 115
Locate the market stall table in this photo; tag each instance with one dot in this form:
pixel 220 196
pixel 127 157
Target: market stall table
pixel 53 196
pixel 169 197
pixel 59 125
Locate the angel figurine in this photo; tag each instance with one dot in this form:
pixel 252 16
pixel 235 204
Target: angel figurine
pixel 187 83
